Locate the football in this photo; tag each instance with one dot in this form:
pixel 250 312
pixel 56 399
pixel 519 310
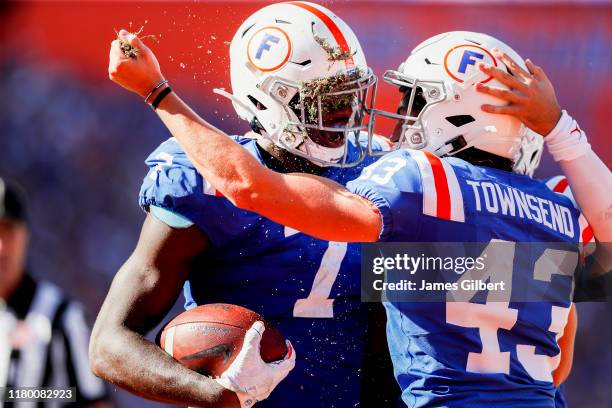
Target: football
pixel 208 338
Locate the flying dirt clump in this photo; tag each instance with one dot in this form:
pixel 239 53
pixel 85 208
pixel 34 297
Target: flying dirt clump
pixel 128 50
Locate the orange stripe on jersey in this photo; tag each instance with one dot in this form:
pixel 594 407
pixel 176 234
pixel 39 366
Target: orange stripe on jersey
pixel 561 186
pixel 331 26
pixel 443 208
pixel 587 234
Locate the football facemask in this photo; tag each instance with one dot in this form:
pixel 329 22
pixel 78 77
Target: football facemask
pixel 324 114
pixel 441 110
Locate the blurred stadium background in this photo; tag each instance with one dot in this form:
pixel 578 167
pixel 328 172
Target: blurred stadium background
pixel 77 142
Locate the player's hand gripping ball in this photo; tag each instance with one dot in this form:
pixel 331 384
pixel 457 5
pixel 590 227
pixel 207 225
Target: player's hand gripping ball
pixel 208 338
pixel 234 345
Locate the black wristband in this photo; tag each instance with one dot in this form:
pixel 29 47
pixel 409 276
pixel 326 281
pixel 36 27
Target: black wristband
pixel 160 97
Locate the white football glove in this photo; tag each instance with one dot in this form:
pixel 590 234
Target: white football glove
pixel 251 378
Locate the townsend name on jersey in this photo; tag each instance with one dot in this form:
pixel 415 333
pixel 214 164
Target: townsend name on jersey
pixel 500 199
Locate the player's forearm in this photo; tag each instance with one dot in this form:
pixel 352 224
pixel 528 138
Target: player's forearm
pixel 142 292
pixel 589 178
pixel 591 184
pixel 320 208
pixel 566 346
pixel 234 172
pixel 314 205
pixel 130 361
pixel 221 161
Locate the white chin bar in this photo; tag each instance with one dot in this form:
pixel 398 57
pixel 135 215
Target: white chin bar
pixel 413 134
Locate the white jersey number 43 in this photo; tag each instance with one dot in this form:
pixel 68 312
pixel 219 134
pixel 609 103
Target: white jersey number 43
pixel 488 318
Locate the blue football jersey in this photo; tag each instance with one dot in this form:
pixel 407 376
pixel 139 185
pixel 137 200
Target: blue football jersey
pixel 472 354
pixel 308 288
pixel 559 184
pixel 560 401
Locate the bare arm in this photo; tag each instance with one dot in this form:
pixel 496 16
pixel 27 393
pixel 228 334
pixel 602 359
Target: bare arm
pixel 311 204
pixel 531 99
pixel 143 291
pixel 591 183
pixel 314 205
pixel 566 344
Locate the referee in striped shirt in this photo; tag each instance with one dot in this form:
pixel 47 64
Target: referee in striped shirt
pixel 43 335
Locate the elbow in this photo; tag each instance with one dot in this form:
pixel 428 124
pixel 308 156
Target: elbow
pixel 96 359
pixel 244 195
pixel 248 190
pixel 100 357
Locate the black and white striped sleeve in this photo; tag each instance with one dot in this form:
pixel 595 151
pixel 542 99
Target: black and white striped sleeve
pixel 76 335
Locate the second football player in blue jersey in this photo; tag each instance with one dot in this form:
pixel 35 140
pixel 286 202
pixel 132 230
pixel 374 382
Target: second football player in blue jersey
pixel 469 184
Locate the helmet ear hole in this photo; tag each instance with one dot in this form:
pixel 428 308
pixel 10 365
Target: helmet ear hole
pixel 256 103
pixel 460 120
pixel 256 125
pixel 418 102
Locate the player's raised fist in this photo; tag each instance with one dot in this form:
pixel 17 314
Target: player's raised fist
pixel 132 64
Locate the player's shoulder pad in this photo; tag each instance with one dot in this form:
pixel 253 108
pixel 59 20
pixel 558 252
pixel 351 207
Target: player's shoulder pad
pixel 170 179
pixel 432 178
pixel 396 169
pixel 173 183
pixel 411 182
pixel 424 174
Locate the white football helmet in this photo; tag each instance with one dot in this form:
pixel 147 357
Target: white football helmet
pixel 299 76
pixel 443 109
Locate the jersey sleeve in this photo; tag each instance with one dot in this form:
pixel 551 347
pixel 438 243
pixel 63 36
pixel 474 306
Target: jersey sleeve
pixel 560 397
pixel 173 185
pixel 381 144
pixel 393 185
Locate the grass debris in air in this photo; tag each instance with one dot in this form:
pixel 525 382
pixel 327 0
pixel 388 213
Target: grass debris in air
pixel 128 50
pixel 335 53
pixel 310 91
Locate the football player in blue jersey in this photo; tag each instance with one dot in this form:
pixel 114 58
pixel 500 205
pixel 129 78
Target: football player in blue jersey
pixel 467 182
pixel 300 79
